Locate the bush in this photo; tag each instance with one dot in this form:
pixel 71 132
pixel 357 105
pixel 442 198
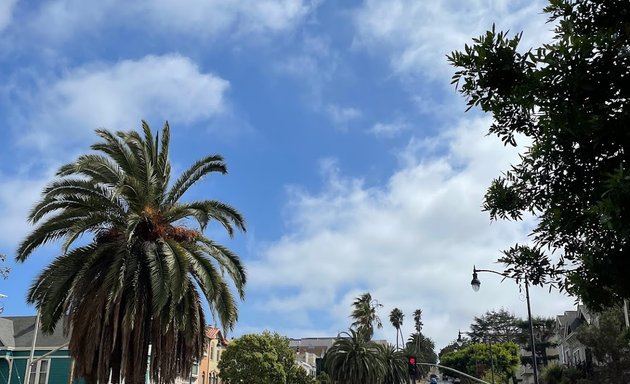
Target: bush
pixel 557 374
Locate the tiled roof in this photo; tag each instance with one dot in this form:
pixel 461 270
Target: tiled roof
pixel 215 333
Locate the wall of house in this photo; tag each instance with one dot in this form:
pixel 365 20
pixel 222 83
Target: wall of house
pixel 58 372
pixel 209 364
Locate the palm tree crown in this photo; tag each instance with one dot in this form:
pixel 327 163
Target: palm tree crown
pixel 353 359
pixel 417 319
pixel 396 318
pixel 365 316
pixel 137 282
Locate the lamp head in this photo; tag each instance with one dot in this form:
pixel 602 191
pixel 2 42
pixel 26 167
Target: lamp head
pixel 475 283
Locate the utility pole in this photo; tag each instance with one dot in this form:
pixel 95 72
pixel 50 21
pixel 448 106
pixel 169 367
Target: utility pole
pixel 29 365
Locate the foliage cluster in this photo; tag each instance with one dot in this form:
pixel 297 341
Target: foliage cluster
pixel 476 359
pixel 499 327
pixel 261 359
pixel 569 99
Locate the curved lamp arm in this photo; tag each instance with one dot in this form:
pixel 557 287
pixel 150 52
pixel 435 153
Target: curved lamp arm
pixel 476 283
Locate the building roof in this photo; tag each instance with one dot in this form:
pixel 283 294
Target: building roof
pixel 317 345
pixel 215 333
pixel 320 342
pixel 566 318
pixel 17 331
pixel 312 342
pixel 6 333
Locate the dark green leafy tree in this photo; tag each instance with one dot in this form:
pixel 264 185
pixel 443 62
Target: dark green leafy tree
pixel 475 359
pixel 396 317
pixel 609 341
pixel 558 374
pixel 451 347
pixel 569 99
pixel 365 316
pixel 353 359
pixel 323 378
pixel 497 326
pixel 139 278
pixel 544 334
pixel 261 359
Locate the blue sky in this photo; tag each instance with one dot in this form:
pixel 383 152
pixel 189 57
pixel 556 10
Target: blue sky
pixel 350 154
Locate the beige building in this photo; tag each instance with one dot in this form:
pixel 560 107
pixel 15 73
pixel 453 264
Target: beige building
pixel 208 370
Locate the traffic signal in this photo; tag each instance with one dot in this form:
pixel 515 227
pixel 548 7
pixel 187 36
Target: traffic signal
pixel 412 367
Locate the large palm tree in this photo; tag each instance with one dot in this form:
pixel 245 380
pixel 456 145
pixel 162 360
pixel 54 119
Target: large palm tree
pixel 353 359
pixel 394 364
pixel 137 280
pixel 396 318
pixel 365 316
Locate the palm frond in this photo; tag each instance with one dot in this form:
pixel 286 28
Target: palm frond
pixel 201 168
pixel 228 261
pixel 97 168
pixel 117 151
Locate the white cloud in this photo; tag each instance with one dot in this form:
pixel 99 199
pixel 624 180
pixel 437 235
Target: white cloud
pixel 315 65
pixel 411 243
pixel 342 115
pixel 388 129
pixel 155 88
pixel 419 35
pixel 17 196
pixel 62 19
pixel 6 13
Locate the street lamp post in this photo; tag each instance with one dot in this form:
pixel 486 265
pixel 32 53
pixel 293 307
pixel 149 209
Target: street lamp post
pixel 476 284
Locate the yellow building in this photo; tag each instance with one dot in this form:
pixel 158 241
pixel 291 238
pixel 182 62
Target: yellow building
pixel 208 372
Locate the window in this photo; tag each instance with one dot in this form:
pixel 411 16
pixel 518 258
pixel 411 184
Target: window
pixel 195 370
pixel 212 352
pixel 39 372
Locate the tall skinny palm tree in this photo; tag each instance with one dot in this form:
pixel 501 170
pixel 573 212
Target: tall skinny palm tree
pixel 396 318
pixel 365 316
pixel 417 320
pixel 139 278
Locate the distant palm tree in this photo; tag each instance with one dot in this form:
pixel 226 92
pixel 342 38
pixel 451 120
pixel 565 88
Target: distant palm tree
pixel 136 281
pixel 396 318
pixel 353 359
pixel 365 316
pixel 422 347
pixel 394 363
pixel 417 319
